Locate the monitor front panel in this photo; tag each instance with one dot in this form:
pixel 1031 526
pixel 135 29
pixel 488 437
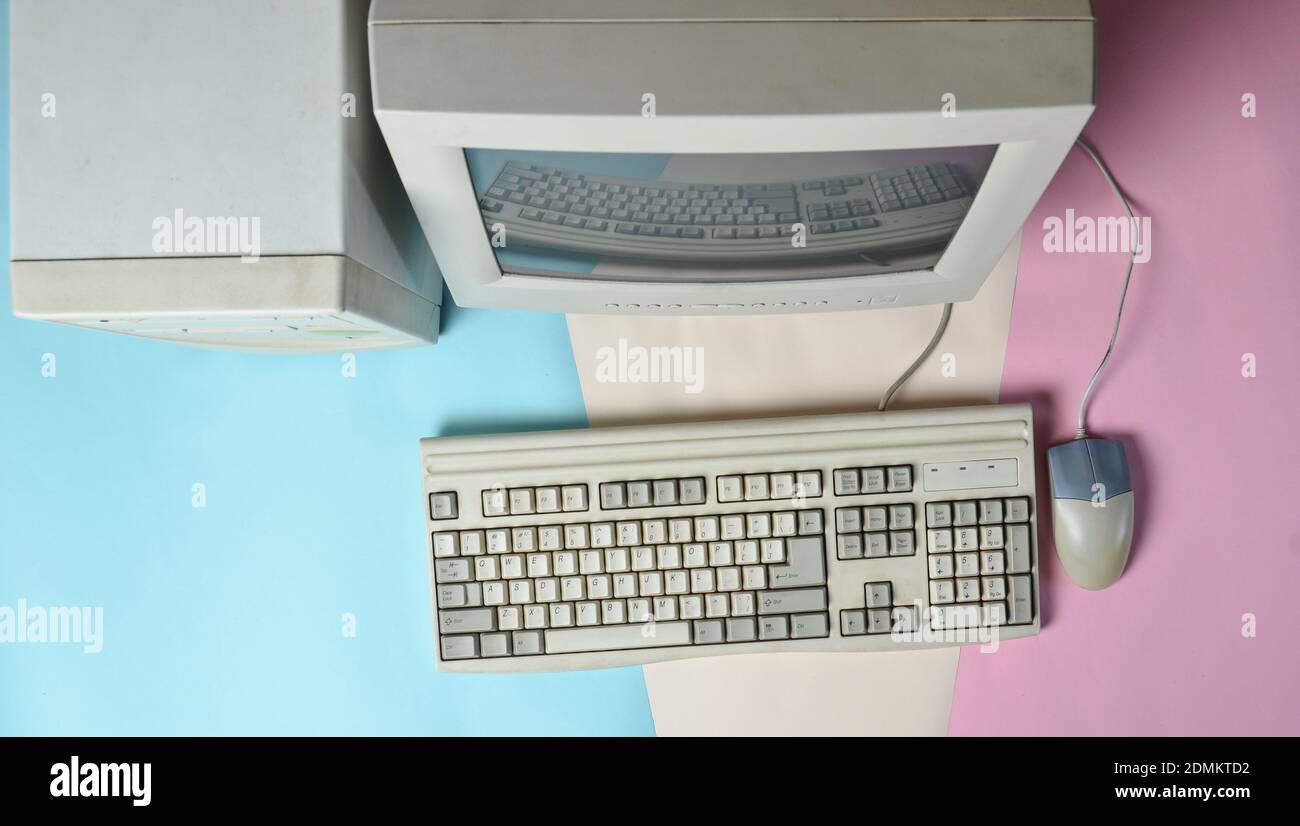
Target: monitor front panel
pixel 734 218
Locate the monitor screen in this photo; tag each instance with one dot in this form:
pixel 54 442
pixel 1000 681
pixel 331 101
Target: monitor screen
pixel 724 218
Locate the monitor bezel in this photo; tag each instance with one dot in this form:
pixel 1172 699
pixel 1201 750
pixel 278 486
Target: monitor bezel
pixel 1031 143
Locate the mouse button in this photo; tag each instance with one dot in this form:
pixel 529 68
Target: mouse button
pixel 1110 465
pixel 1070 468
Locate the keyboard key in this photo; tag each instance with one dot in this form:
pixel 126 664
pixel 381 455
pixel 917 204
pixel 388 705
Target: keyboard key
pixel 805 564
pixel 990 511
pixel 1021 601
pixel 967 564
pixel 588 613
pixel 1018 549
pixel 942 591
pixel 574 497
pixel 849 546
pixel 900 517
pixel 442 506
pixel 810 482
pixel 939 541
pixel 941 566
pixel 782 485
pixel 1017 510
pixel 494 502
pixel 617 637
pixel 991 537
pixel 451 596
pixel 527 642
pixel 772 551
pixel 968 590
pixel 900 479
pixel 451 570
pixel 459 647
pixel 875 519
pixel 848 520
pixel 847 482
pixel 494 645
pixel 665 492
pixel 550 538
pixel 730 489
pixel 991 562
pixel 873 480
pixel 466 620
pixel 708 632
pixel 853 622
pixel 521 501
pixel 692 491
pixel 445 544
pixel 954 616
pixel 613 496
pixel 547 500
pixel 613 612
pixel 808 626
pixel 741 629
pixel 993 588
pixel 792 601
pixel 901 543
pixel 810 522
pixel 875 545
pixel 535 616
pixel 773 628
pixel 639 495
pixel 742 604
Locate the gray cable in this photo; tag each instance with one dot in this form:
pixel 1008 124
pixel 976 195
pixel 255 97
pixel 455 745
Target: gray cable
pixel 929 348
pixel 1082 431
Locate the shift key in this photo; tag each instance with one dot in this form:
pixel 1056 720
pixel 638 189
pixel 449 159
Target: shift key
pixel 791 601
pixel 466 620
pixel 805 564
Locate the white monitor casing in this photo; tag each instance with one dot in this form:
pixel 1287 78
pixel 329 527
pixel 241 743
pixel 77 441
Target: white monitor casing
pixel 728 77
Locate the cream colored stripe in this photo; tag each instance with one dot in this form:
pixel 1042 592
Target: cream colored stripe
pixel 819 362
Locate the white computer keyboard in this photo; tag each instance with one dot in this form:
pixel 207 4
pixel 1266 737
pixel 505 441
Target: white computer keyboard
pixel 849 216
pixel 614 546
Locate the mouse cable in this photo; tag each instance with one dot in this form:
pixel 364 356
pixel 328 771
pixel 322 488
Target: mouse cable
pixel 1082 431
pixel 929 348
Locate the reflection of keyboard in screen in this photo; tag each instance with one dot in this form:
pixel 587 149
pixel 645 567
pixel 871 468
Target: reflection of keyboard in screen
pixel 850 216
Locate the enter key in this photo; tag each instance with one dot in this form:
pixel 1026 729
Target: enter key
pixel 805 564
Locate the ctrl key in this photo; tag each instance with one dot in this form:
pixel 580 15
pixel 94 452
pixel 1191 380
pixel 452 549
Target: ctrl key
pixel 460 647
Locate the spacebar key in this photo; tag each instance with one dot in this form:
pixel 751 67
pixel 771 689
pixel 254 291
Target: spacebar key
pixel 617 637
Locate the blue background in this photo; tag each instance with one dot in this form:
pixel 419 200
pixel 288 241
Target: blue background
pixel 228 619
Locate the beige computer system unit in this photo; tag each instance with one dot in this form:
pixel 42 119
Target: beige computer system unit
pixel 210 173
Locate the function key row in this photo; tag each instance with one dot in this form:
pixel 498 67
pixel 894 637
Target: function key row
pixel 546 499
pixel 657 493
pixel 854 481
pixel 761 487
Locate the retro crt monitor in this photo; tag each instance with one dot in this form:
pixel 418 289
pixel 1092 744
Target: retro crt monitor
pixel 687 157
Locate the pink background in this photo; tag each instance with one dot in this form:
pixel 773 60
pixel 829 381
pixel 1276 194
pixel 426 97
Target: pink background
pixel 1214 455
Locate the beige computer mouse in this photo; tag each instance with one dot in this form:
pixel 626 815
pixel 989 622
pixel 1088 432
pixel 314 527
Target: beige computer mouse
pixel 1092 510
